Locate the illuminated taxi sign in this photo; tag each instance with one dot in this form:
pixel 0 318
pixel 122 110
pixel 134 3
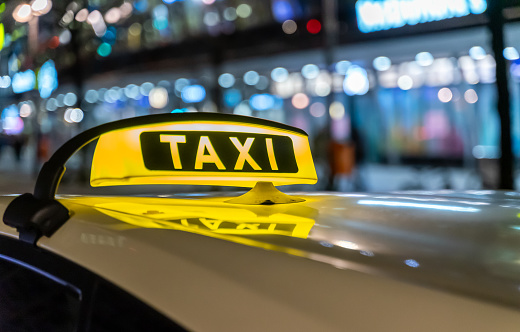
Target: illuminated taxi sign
pixel 218 151
pixel 205 152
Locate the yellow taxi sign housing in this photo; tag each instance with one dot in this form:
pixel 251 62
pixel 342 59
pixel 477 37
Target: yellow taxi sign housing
pixel 204 149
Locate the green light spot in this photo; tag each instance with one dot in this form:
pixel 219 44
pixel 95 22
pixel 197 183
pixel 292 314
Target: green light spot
pixel 2 8
pixel 160 24
pixel 104 49
pixel 2 33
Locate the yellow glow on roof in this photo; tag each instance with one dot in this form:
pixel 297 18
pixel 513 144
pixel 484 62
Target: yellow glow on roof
pixel 221 220
pixel 210 217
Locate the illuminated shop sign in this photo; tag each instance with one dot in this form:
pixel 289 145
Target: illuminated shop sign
pixel 23 81
pixel 375 15
pixel 47 79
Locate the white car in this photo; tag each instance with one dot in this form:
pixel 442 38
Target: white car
pixel 263 261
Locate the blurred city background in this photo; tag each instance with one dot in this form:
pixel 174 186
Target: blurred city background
pixel 394 94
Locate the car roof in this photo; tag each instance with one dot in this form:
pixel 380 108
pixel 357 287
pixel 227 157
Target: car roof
pixel 454 254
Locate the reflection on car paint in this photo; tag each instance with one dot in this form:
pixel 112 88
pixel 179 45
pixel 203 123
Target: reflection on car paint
pixel 418 205
pixel 221 220
pixel 103 240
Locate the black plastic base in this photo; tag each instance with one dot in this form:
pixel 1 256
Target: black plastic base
pixel 33 217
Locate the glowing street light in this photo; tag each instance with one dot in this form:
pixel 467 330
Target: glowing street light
pixel 40 7
pixel 22 13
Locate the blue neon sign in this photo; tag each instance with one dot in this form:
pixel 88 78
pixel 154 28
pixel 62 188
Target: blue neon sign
pixel 376 15
pixel 23 81
pixel 47 79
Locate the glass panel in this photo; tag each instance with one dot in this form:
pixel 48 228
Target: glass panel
pixel 33 302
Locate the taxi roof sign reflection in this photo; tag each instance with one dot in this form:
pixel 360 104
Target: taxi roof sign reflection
pixel 214 219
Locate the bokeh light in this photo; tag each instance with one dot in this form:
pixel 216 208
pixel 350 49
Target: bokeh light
pixel 226 80
pixel 25 110
pixel 179 110
pixel 158 97
pixel 70 99
pixel 279 74
pixel 300 100
pixel 251 77
pixel 211 19
pixel 11 123
pixel 310 71
pixel 65 37
pixel 322 89
pixel 82 15
pixel 22 13
pixel 104 49
pixel 94 17
pixel 382 63
pixel 91 96
pixel 59 100
pixel 5 81
pixel 145 88
pixel 23 81
pixel 477 53
pixel 193 93
pixel 282 10
pixel 230 14
pixel 132 91
pixel 262 102
pixel 181 83
pixel 51 105
pixel 511 53
pixel 73 115
pixel 41 7
pixel 243 109
pixel 126 9
pixel 317 110
pixel 412 263
pixel 424 59
pixel 314 26
pixel 445 95
pixel 405 82
pixel 113 15
pixel 244 10
pixel 232 97
pixel 53 42
pixel 342 67
pixel 289 27
pixel 356 81
pixel 263 83
pixel 337 110
pixel 47 79
pixel 470 96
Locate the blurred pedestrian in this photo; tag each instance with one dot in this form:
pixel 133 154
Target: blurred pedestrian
pixel 3 142
pixel 18 143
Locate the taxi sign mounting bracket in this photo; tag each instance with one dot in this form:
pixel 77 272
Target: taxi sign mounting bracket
pixel 264 193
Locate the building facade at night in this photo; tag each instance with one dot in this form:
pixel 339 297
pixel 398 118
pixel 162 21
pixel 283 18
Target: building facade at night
pixel 405 83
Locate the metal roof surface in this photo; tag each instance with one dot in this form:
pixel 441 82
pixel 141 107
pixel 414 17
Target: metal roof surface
pixel 371 250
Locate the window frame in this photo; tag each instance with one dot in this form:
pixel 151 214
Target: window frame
pixel 67 273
